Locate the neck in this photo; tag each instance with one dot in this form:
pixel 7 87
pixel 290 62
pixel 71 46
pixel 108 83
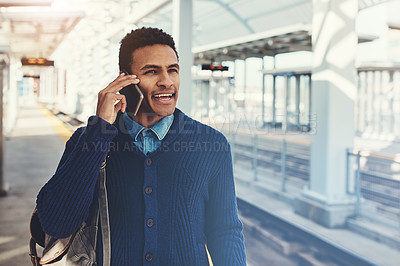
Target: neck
pixel 147 119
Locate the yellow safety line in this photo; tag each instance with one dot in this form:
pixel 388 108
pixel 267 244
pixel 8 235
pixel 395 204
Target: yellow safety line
pixel 61 129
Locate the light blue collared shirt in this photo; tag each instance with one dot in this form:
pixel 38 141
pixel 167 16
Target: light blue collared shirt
pixel 148 139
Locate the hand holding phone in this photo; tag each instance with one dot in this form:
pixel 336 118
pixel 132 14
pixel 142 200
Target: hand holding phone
pixel 110 101
pixel 133 95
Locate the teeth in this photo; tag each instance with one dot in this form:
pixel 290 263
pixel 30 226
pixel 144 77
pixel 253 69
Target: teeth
pixel 162 95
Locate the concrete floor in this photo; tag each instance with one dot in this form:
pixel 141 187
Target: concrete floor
pixel 32 152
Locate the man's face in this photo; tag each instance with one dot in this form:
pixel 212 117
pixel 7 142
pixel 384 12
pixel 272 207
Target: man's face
pixel 157 68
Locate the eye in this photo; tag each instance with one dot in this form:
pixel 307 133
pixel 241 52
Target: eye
pixel 150 72
pixel 173 70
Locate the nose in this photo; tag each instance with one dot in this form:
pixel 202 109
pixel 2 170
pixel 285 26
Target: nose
pixel 164 80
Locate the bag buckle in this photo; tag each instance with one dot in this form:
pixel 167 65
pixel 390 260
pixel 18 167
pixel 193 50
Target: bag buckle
pixel 35 260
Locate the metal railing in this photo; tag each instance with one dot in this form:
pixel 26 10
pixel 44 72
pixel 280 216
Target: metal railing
pixel 374 181
pixel 278 157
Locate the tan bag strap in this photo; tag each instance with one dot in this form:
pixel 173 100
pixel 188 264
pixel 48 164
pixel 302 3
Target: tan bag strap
pixel 104 219
pixel 104 216
pixel 33 253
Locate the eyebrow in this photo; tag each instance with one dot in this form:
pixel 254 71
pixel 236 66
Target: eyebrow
pixel 158 67
pixel 174 65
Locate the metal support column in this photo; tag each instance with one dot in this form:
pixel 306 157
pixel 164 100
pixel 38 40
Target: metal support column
pixel 334 44
pixel 391 103
pixel 3 190
pixel 244 82
pixel 285 121
pixel 273 100
pixel 274 96
pixel 311 119
pixel 358 186
pixel 283 165
pixel 298 100
pixel 263 95
pixel 182 32
pixel 255 157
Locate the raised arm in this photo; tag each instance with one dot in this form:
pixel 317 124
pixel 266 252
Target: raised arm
pixel 63 203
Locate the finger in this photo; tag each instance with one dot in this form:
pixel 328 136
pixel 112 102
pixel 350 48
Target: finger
pixel 120 83
pixel 109 98
pixel 116 97
pixel 123 84
pixel 121 78
pixel 123 75
pixel 118 106
pixel 124 103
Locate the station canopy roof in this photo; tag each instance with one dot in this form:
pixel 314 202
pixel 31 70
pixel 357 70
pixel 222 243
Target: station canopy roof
pixel 269 43
pixel 222 29
pixel 32 28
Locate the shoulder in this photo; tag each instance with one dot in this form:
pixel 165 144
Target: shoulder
pixel 78 132
pixel 211 133
pixel 201 130
pixel 96 129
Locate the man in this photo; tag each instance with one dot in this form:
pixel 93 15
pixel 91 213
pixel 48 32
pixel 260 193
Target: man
pixel 169 178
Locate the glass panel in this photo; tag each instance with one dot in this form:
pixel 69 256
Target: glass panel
pixel 280 104
pixel 268 99
pixel 291 98
pixel 304 106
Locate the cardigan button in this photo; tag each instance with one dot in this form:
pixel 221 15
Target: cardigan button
pixel 148 162
pixel 150 222
pixel 149 256
pixel 148 190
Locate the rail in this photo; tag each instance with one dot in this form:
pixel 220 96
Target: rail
pixel 373 179
pixel 287 159
pixel 374 182
pixel 300 244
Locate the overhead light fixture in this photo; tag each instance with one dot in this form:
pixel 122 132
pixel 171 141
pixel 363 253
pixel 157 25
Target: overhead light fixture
pixel 214 67
pixel 36 62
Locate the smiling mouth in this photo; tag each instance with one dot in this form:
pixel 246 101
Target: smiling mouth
pixel 163 96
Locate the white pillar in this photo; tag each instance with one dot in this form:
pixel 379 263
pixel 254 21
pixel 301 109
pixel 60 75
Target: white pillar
pixel 182 32
pixel 4 81
pixel 334 43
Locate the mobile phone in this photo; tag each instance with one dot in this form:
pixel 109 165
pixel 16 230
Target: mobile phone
pixel 133 95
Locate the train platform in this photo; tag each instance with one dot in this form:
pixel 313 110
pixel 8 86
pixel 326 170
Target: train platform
pixel 373 252
pixel 32 152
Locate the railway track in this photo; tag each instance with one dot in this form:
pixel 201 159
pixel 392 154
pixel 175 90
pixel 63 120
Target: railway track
pixel 378 186
pixel 271 241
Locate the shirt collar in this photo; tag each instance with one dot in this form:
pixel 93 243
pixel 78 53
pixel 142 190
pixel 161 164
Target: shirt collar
pixel 160 128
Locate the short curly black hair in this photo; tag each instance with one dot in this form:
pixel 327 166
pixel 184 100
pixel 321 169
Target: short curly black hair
pixel 140 38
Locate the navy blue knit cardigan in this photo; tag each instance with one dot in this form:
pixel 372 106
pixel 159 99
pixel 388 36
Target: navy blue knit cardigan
pixel 164 207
